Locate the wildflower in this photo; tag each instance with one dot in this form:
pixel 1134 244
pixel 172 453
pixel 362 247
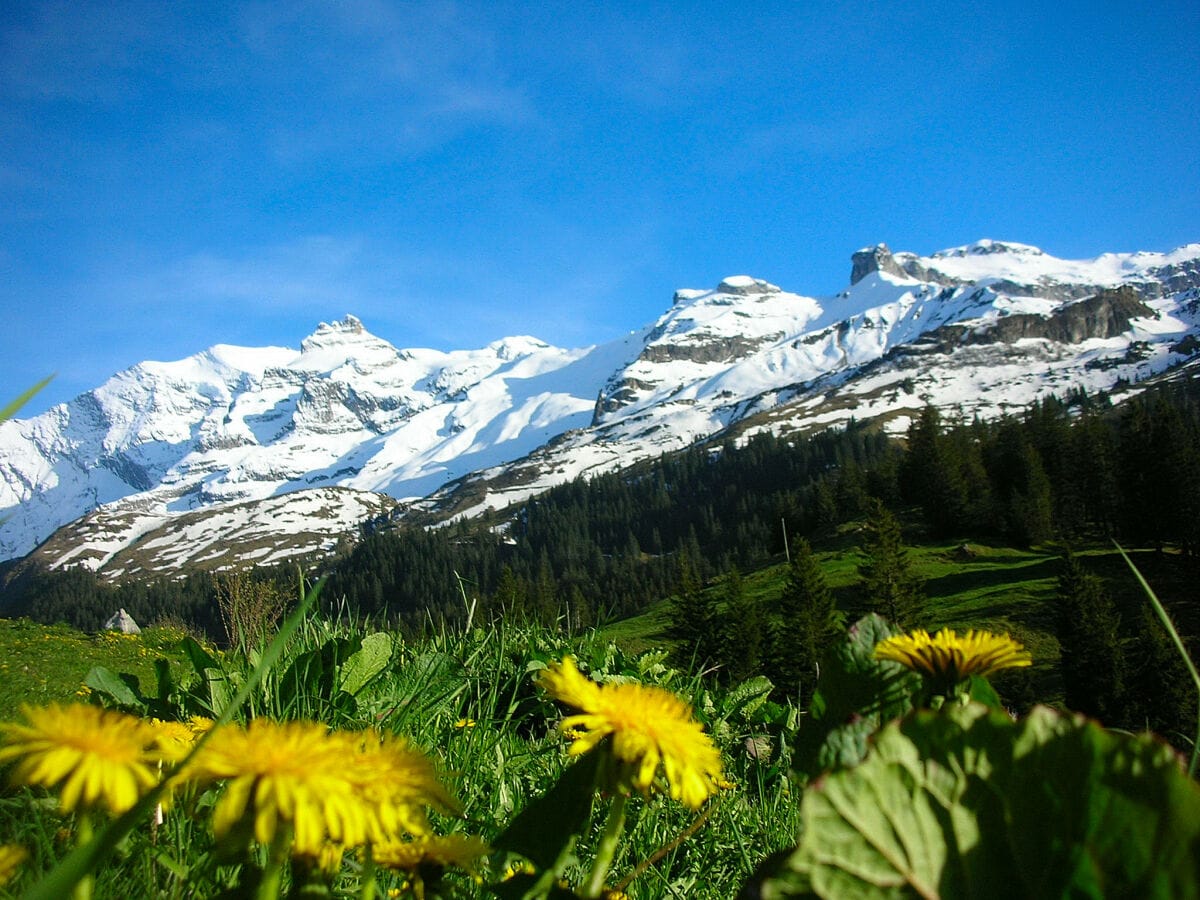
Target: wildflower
pixel 465 723
pixel 521 867
pixel 172 740
pixel 327 860
pixel 426 857
pixel 11 857
pixel 397 781
pixel 94 756
pixel 948 659
pixel 289 775
pixel 460 850
pixel 651 730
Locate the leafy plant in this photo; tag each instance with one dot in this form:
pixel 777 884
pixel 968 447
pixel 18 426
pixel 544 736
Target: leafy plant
pixel 966 802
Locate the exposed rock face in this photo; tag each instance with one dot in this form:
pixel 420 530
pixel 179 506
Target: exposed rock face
pixel 874 259
pixel 1174 278
pixel 745 286
pixel 123 622
pixel 1102 316
pixel 712 350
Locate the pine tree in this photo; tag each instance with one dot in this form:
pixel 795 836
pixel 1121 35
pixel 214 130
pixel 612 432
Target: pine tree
pixel 808 622
pixel 931 476
pixel 1092 663
pixel 889 585
pixel 1158 679
pixel 1021 486
pixel 696 620
pixel 742 632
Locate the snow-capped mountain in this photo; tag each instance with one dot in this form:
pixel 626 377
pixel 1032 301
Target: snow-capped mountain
pixel 171 464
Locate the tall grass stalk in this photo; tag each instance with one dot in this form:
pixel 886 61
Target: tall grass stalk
pixel 1163 617
pixel 14 407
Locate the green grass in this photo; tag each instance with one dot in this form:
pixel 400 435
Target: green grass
pixel 469 700
pixel 968 585
pixel 42 664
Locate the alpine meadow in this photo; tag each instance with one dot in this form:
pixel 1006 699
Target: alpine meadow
pixel 886 594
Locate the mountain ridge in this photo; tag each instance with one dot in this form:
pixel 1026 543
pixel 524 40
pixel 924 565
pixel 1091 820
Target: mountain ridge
pixel 985 327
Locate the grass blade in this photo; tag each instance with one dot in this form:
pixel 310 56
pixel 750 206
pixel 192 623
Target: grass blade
pixel 1163 617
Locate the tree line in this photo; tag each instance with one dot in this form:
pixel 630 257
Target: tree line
pixel 605 547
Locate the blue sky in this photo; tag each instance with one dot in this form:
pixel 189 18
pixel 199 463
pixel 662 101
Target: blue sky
pixel 178 175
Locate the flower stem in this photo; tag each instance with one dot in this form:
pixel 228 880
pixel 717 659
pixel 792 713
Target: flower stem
pixel 607 850
pixel 84 828
pixel 277 854
pixel 368 874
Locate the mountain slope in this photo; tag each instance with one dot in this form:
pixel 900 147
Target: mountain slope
pixel 151 455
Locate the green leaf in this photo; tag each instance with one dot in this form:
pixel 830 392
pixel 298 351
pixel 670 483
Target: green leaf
pixel 122 689
pixel 198 656
pixel 363 666
pixel 544 832
pixel 746 697
pixel 966 802
pixel 980 690
pixel 215 690
pixel 855 695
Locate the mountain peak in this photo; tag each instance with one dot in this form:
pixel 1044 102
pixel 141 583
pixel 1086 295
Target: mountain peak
pixel 348 324
pixel 979 328
pixel 745 285
pixel 874 259
pixel 988 247
pixel 333 344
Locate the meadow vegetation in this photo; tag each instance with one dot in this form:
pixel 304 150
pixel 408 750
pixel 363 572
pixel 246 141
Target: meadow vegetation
pixel 828 668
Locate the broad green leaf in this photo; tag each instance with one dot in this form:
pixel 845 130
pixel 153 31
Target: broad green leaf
pixel 856 693
pixel 545 831
pixel 966 802
pixel 123 689
pixel 746 696
pixel 198 656
pixel 364 665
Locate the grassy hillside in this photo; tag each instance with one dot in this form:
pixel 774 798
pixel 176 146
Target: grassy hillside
pixel 969 585
pixel 42 664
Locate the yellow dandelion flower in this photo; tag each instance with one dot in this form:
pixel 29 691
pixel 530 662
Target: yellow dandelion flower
pixel 652 730
pixel 93 756
pixel 291 774
pixel 459 850
pixel 396 781
pixel 11 857
pixel 465 723
pixel 518 868
pixel 328 860
pixel 173 740
pixel 948 658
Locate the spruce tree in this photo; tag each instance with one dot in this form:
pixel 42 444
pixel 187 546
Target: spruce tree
pixel 808 622
pixel 889 585
pixel 931 476
pixel 741 632
pixel 1092 663
pixel 696 620
pixel 1159 680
